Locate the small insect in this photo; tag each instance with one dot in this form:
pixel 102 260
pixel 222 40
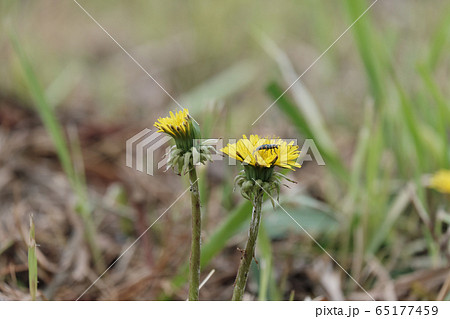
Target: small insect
pixel 267 147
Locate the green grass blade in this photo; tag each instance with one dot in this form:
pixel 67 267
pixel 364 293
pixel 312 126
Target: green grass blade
pixel 296 117
pixel 398 206
pixel 226 83
pixel 359 159
pixel 58 90
pixel 218 240
pixel 267 285
pixel 45 111
pixel 302 97
pixel 227 229
pixel 440 39
pixel 32 262
pixel 413 126
pixel 364 35
pixel 292 295
pixel 265 263
pixel 443 119
pixel 57 136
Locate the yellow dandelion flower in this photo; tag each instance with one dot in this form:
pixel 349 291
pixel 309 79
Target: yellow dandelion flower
pixel 181 127
pixel 175 124
pixel 264 152
pixel 440 181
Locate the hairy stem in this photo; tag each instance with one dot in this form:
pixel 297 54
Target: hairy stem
pixel 249 252
pixel 194 267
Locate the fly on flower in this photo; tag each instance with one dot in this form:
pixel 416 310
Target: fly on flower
pixel 259 156
pixel 267 147
pixel 264 152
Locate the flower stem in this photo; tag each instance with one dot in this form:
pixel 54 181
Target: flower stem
pixel 249 252
pixel 194 267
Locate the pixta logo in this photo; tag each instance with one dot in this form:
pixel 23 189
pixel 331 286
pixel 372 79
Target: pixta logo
pixel 140 150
